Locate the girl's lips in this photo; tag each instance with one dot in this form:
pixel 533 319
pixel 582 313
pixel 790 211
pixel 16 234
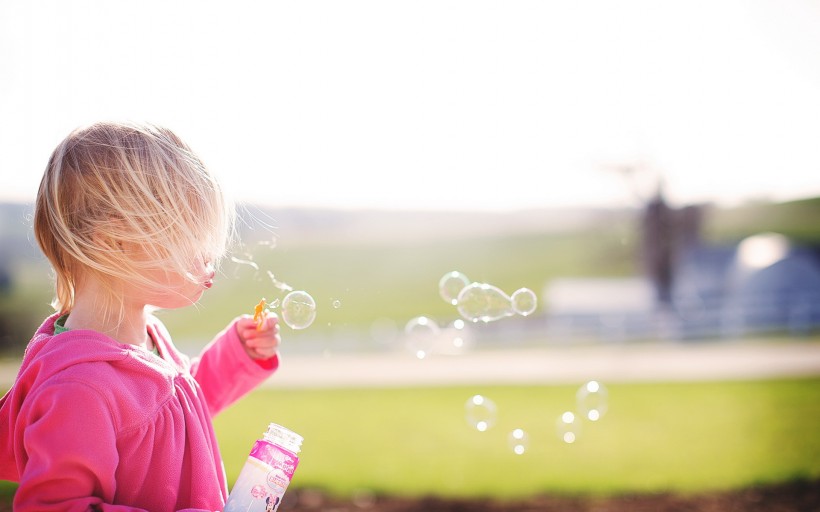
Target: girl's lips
pixel 210 281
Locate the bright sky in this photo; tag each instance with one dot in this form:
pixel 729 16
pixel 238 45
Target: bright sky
pixel 431 103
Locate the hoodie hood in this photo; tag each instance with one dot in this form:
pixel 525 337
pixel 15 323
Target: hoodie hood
pixel 84 354
pixel 48 354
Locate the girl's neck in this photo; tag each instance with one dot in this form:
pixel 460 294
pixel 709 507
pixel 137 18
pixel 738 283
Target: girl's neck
pixel 130 327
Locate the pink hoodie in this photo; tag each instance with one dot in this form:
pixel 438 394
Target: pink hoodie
pixel 93 424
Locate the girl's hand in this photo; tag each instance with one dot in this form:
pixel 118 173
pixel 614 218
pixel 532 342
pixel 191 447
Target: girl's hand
pixel 259 343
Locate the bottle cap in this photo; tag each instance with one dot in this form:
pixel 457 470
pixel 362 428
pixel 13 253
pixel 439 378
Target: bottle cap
pixel 285 438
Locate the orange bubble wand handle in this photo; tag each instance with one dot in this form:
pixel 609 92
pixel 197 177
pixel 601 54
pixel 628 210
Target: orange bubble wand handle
pixel 260 315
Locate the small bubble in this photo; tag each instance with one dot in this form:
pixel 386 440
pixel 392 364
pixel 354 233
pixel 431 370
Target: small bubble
pixel 519 441
pixel 568 427
pixel 524 301
pixel 480 412
pixel 454 339
pixel 451 284
pixel 420 336
pixel 298 309
pixel 336 303
pixel 592 399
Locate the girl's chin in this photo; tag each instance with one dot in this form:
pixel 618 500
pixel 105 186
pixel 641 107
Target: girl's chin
pixel 179 301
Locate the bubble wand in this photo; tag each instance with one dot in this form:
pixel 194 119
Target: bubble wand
pixel 260 314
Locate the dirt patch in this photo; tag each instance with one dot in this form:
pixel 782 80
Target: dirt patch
pixel 798 496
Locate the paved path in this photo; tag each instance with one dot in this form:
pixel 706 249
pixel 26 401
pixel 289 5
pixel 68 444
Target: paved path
pixel 644 362
pixel 555 365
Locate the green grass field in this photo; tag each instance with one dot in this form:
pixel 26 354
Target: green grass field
pixel 688 437
pixel 681 437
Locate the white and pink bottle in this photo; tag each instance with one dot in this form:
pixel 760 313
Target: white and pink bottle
pixel 267 472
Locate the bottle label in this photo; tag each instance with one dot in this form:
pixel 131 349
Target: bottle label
pixel 263 480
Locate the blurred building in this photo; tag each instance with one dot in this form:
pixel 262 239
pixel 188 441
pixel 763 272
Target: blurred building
pixel 690 290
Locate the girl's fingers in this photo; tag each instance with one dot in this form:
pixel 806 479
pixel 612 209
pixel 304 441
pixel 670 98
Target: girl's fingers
pixel 264 353
pixel 263 342
pixel 260 343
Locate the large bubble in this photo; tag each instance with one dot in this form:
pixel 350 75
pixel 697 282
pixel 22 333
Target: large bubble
pixel 420 336
pixel 485 302
pixel 451 284
pixel 298 309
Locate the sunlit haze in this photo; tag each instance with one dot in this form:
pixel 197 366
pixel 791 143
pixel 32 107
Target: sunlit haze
pixel 432 104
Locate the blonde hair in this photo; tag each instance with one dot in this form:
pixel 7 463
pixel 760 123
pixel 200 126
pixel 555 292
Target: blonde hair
pixel 113 185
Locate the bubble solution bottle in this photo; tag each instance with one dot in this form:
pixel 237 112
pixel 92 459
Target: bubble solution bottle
pixel 267 472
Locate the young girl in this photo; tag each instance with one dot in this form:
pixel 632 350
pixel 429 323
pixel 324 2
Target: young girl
pixel 105 413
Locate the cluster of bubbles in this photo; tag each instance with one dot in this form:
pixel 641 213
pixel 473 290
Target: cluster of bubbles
pixel 481 414
pixel 591 404
pixel 424 336
pixel 482 301
pixel 475 302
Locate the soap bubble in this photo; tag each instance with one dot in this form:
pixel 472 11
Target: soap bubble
pixel 298 309
pixel 592 400
pixel 458 337
pixel 420 336
pixel 481 412
pixel 485 302
pixel 336 303
pixel 568 427
pixel 451 284
pixel 453 339
pixel 524 301
pixel 519 441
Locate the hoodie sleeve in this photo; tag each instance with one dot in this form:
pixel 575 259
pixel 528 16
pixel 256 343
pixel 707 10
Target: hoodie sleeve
pixel 225 372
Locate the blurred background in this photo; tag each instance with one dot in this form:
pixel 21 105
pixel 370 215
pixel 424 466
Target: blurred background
pixel 648 170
